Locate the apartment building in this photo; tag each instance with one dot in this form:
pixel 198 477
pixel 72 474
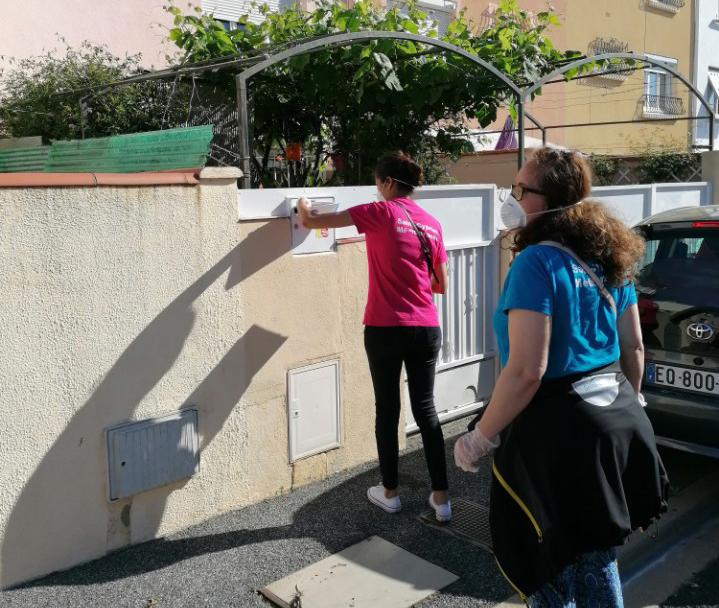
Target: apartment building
pixel 648 106
pixel 616 110
pixel 132 26
pixel 705 75
pixel 228 11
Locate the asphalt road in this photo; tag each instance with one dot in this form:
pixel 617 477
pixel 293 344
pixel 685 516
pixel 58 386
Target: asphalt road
pixel 684 574
pixel 700 591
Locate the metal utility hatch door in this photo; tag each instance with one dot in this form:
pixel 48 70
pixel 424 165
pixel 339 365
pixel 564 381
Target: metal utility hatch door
pixel 152 453
pixel 314 409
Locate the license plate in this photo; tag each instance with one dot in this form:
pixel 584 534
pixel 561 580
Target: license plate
pixel 686 378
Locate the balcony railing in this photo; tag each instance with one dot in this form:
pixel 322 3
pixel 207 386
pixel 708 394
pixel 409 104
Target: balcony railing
pixel 662 105
pixel 672 6
pixel 616 69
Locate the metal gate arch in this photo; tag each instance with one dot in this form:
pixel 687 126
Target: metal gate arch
pixel 547 78
pixel 336 40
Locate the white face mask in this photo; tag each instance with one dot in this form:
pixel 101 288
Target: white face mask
pixel 513 216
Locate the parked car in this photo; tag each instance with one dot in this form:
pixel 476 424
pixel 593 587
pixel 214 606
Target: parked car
pixel 678 297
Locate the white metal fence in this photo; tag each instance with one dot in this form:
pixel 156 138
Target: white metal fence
pixel 466 369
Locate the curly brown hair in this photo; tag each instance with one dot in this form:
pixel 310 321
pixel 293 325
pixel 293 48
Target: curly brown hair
pixel 589 229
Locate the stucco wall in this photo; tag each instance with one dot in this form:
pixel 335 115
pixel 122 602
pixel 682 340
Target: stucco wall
pixel 128 303
pixel 498 167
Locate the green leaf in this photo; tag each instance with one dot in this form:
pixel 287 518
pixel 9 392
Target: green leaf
pixel 392 82
pixel 383 62
pixel 300 62
pixel 410 26
pixel 569 74
pixel 359 74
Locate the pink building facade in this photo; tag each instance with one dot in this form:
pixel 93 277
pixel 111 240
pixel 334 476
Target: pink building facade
pixel 33 27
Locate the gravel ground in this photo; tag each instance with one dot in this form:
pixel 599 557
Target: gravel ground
pixel 226 560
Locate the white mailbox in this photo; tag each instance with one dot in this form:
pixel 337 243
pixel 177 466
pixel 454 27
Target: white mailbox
pixel 316 240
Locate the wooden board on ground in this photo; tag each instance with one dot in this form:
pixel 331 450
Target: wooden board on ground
pixel 373 573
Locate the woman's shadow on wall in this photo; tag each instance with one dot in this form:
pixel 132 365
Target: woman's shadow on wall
pixel 57 509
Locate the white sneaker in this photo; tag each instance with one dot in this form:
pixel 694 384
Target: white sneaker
pixel 441 512
pixel 376 497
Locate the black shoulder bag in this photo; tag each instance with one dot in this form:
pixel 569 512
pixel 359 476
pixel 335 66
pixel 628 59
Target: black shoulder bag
pixel 425 248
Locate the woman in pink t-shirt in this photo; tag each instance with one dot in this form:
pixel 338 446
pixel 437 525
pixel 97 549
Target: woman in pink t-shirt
pixel 407 264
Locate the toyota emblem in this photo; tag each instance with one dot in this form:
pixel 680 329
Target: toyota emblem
pixel 700 331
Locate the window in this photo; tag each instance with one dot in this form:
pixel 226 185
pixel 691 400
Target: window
pixel 713 89
pixel 440 11
pixel 679 252
pixel 658 83
pixel 229 11
pixel 659 89
pixel 230 25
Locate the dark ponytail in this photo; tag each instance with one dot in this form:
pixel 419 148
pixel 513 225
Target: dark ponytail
pixel 401 168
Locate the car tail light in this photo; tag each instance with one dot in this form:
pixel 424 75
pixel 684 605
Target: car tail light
pixel 647 310
pixel 705 224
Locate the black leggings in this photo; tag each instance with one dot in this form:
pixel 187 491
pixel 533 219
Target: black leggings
pixel 417 347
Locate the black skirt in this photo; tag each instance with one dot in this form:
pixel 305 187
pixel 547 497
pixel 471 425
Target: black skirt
pixel 576 471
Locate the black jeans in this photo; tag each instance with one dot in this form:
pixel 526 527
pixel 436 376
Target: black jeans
pixel 417 347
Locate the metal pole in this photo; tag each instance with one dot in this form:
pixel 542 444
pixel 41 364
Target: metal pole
pixel 711 130
pixel 520 141
pixel 83 110
pixel 243 130
pixel 539 126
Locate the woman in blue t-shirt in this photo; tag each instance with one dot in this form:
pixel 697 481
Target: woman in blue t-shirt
pixel 576 468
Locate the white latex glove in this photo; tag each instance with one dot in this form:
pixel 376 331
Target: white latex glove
pixel 470 447
pixel 642 400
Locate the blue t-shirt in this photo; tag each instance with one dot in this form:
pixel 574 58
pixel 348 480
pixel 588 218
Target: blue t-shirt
pixel 584 330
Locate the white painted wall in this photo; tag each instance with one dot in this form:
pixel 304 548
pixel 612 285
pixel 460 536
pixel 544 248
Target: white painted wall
pixel 465 211
pixel 465 372
pixel 706 59
pixel 634 203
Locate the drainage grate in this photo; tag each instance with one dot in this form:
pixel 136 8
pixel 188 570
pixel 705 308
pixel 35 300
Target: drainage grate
pixel 470 522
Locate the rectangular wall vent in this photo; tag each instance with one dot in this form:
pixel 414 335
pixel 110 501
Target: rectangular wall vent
pixel 152 453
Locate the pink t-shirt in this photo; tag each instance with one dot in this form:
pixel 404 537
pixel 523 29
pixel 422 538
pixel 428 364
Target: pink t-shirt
pixel 400 289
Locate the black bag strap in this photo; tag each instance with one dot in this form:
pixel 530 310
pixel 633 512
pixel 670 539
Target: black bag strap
pixel 423 243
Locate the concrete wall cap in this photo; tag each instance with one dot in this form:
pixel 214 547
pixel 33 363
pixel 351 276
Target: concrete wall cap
pixel 212 173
